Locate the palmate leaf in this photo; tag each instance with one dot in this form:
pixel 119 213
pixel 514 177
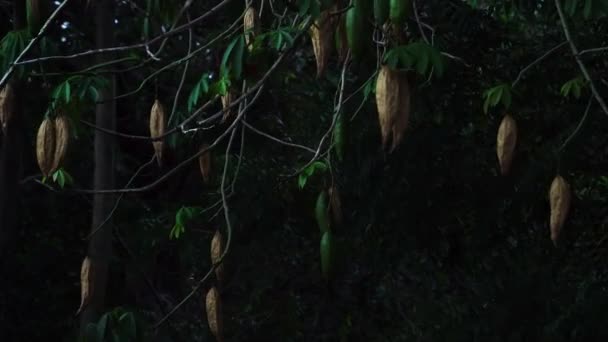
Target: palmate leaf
pixel 418 56
pixel 496 95
pixel 232 61
pixel 200 88
pixel 10 47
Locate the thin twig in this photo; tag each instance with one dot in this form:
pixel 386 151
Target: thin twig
pixel 536 61
pixel 178 29
pixel 578 127
pixel 141 168
pixel 277 140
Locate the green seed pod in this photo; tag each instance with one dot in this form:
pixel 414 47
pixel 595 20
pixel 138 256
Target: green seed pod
pixel 321 210
pixel 326 254
pixel 338 136
pixel 354 22
pixel 32 8
pixel 399 10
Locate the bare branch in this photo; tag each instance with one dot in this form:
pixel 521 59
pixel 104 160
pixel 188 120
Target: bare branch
pixel 581 65
pixel 277 140
pixel 536 61
pixel 178 29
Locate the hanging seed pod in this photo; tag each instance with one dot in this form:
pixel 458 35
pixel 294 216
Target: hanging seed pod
pixel 321 33
pixel 335 205
pixel 45 146
pixel 204 163
pixel 321 211
pixel 33 15
pixel 62 139
pixel 251 23
pixel 393 102
pixel 338 136
pixel 399 10
pixel 506 140
pixel 217 248
pixel 86 283
pixel 157 129
pixel 559 201
pixel 214 313
pixel 7 106
pixel 326 254
pixel 401 122
pixel 354 27
pixel 227 100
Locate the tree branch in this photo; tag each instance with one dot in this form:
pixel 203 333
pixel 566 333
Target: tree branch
pixel 581 65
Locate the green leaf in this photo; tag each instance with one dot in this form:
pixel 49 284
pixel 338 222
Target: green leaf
pixel 101 327
pixel 237 58
pixel 495 95
pixel 201 87
pixel 228 54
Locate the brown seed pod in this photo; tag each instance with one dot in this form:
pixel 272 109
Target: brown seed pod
pixel 7 106
pixel 335 205
pixel 217 248
pixel 214 313
pixel 62 139
pixel 393 102
pixel 157 128
pixel 251 24
pixel 322 34
pixel 45 146
pixel 226 102
pixel 204 163
pixel 86 283
pixel 506 140
pixel 559 200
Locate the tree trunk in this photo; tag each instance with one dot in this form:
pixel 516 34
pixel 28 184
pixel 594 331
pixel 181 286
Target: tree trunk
pixel 11 152
pixel 100 245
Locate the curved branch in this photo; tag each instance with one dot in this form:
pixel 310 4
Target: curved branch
pixel 577 56
pixel 178 29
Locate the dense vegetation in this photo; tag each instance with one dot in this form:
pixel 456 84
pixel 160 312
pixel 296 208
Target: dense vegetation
pixel 426 242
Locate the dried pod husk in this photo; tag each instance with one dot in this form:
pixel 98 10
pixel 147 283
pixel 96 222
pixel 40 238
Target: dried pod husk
pixel 217 248
pixel 214 313
pixel 62 139
pixel 157 128
pixel 393 103
pixel 7 106
pixel 321 34
pixel 227 100
pixel 86 283
pixel 506 140
pixel 251 24
pixel 45 146
pixel 335 205
pixel 559 201
pixel 401 122
pixel 204 163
